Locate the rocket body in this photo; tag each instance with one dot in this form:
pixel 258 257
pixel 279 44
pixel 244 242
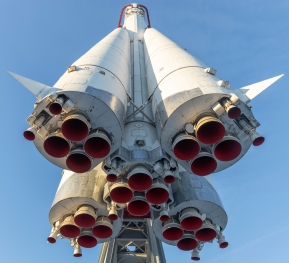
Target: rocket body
pixel 139 124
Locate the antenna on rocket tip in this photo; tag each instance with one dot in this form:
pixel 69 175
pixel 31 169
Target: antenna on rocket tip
pixel 135 6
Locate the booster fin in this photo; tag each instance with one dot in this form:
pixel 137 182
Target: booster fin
pixel 38 89
pixel 249 92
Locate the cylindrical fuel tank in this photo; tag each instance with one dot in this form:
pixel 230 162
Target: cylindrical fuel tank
pixel 79 199
pixel 184 91
pixel 93 98
pixel 195 201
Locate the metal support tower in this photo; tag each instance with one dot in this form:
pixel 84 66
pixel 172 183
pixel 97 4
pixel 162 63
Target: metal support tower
pixel 136 243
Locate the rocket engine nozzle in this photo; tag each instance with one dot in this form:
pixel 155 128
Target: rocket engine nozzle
pixel 207 232
pixel 75 127
pixel 191 219
pixel 209 130
pixel 195 255
pixel 112 214
pixel 228 149
pixel 29 134
pixel 97 145
pixel 164 216
pixel 232 111
pixel 85 216
pixel 120 192
pixel 86 239
pixel 158 193
pixel 188 242
pixel 204 164
pixel 78 161
pixel 172 230
pixel 56 106
pixel 139 179
pixel 256 138
pixel 56 145
pixel 112 176
pixel 138 206
pixel 185 147
pixel 169 177
pixel 222 241
pixel 68 228
pixel 102 228
pixel 77 251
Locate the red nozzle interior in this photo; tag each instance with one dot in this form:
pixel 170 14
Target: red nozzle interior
pixel 169 179
pixel 164 218
pixel 70 231
pixel 191 223
pixel 111 178
pixel 187 244
pixel 234 112
pixel 227 150
pixel 204 165
pixel 173 233
pixel 55 108
pixel 51 240
pixel 96 147
pixel 102 231
pixel 205 234
pixel 258 141
pixel 186 149
pixel 195 258
pixel 112 217
pixel 84 220
pixel 138 208
pixel 56 146
pixel 211 132
pixel 78 163
pixel 140 181
pixel 87 241
pixel 74 130
pixel 157 195
pixel 77 255
pixel 121 194
pixel 224 245
pixel 29 135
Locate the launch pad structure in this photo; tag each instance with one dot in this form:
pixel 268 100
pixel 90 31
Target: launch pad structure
pixel 136 243
pixel 138 125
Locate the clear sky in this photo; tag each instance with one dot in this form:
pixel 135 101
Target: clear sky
pixel 246 41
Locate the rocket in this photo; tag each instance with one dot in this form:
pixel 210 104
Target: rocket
pixel 138 125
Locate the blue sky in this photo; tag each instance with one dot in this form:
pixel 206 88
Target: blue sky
pixel 246 41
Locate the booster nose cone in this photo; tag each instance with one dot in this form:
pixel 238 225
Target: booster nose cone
pixel 97 145
pixel 209 130
pixel 102 228
pixel 228 149
pixel 204 164
pixel 85 217
pixel 172 230
pixel 185 147
pixel 139 178
pixel 191 219
pixel 158 193
pixel 120 192
pixel 56 145
pixel 86 239
pixel 78 162
pixel 75 127
pixel 29 134
pixel 207 232
pixel 188 242
pixel 138 206
pixel 68 228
